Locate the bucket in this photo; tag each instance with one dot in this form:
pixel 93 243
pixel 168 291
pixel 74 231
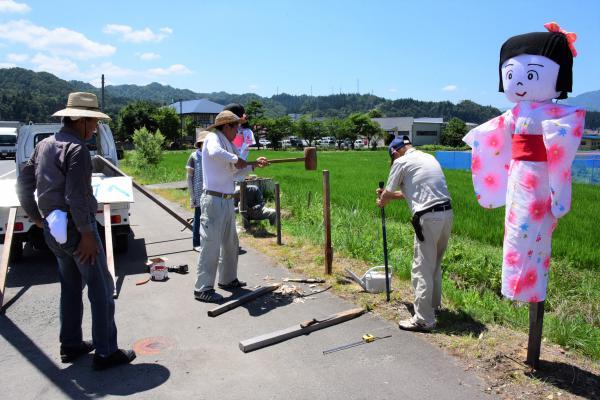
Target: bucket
pixel 158 269
pixel 374 279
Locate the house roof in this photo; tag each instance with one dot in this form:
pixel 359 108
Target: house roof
pixel 199 106
pixel 395 123
pixel 596 137
pixel 429 120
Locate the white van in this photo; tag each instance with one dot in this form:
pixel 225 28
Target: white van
pixel 103 144
pixel 8 142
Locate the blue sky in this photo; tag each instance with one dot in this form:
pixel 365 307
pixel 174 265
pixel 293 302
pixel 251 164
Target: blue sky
pixel 427 50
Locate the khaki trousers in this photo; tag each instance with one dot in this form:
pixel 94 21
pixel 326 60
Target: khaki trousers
pixel 426 271
pixel 219 243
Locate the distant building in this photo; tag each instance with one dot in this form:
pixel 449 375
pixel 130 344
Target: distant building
pixel 420 130
pixel 590 142
pixel 202 111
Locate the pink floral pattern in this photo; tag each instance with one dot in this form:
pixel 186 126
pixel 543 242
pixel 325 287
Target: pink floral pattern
pixel 539 192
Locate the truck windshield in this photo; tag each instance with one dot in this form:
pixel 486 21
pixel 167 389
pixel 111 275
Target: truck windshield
pixel 8 140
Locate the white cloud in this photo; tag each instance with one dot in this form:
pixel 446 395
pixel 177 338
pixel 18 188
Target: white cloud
pixel 148 56
pixel 16 58
pixel 392 90
pixel 58 42
pixel 7 65
pixel 175 69
pixel 11 6
pixel 55 65
pixel 450 88
pixel 128 34
pixel 253 87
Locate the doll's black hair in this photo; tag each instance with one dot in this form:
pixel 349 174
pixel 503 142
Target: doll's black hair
pixel 553 45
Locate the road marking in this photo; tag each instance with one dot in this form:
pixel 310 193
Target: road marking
pixel 8 173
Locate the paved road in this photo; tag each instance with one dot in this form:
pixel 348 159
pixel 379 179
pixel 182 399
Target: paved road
pixel 199 356
pixel 7 169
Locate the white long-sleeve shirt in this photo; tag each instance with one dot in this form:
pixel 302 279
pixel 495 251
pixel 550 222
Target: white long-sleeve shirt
pixel 218 170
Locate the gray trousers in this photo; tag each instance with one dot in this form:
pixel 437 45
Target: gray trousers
pixel 263 213
pixel 426 271
pixel 219 244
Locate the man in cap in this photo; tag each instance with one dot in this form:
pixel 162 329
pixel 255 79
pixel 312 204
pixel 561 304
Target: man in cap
pixel 61 171
pixel 421 181
pixel 221 167
pixel 194 182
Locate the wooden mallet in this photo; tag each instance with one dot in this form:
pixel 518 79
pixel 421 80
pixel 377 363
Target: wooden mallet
pixel 310 159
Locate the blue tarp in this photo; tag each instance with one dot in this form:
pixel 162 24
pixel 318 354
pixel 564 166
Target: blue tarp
pixel 586 167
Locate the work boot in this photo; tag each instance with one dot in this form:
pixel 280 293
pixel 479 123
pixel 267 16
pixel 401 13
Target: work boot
pixel 208 296
pixel 234 284
pixel 119 357
pixel 70 353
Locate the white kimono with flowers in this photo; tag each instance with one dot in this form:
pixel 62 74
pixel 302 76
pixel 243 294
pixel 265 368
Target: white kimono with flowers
pixel 536 193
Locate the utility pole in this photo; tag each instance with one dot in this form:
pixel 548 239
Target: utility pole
pixel 102 95
pixel 357 86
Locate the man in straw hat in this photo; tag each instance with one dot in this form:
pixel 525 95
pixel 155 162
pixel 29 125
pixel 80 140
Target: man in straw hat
pixel 194 181
pixel 221 167
pixel 61 171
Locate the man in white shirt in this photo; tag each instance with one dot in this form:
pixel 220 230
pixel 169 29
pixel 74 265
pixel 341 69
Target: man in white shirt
pixel 423 185
pixel 221 167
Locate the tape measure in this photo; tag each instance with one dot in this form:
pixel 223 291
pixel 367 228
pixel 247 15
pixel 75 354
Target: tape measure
pixel 366 338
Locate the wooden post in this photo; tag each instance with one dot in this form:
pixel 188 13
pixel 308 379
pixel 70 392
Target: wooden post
pixel 10 227
pixel 278 212
pixel 110 259
pixel 536 324
pixel 327 223
pixel 242 207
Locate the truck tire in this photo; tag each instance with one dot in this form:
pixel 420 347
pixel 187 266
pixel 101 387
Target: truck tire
pixel 121 243
pixel 16 250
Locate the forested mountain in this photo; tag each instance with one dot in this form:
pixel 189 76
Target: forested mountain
pixel 589 100
pixel 33 96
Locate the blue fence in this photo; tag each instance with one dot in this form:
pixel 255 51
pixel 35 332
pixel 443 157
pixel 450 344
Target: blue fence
pixel 586 167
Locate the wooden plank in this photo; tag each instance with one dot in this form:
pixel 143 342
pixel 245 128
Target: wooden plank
pixel 149 195
pixel 230 305
pixel 10 227
pixel 110 260
pixel 536 325
pixel 303 328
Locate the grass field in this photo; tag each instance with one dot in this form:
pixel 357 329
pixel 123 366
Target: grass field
pixel 472 265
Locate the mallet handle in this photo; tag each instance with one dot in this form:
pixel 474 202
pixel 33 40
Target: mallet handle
pixel 280 160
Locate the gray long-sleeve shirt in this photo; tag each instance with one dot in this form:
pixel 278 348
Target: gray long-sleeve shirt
pixel 60 168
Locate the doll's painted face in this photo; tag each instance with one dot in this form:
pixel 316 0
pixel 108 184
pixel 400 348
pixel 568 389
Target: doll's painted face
pixel 529 77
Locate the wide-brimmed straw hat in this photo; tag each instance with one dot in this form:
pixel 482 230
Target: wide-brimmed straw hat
pixel 82 105
pixel 200 137
pixel 224 118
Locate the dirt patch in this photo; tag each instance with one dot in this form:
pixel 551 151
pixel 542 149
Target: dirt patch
pixel 494 353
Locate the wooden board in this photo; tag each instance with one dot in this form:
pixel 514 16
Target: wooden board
pixel 10 227
pixel 230 305
pixel 110 259
pixel 303 328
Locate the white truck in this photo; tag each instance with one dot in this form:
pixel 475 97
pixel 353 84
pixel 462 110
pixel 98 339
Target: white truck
pixel 102 144
pixel 8 142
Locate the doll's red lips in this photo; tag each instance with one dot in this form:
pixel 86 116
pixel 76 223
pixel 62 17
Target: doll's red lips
pixel 521 94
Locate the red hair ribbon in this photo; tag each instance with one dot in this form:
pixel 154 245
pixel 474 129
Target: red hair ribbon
pixel 571 36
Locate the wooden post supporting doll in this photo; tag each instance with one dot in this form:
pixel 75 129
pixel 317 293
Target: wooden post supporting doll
pixel 522 159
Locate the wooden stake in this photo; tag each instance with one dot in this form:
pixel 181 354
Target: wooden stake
pixel 536 325
pixel 110 260
pixel 10 228
pixel 278 212
pixel 303 328
pixel 230 305
pixel 327 223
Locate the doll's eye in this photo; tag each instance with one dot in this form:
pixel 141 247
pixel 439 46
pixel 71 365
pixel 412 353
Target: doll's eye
pixel 509 75
pixel 532 74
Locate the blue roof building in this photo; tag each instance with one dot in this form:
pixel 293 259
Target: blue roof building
pixel 202 111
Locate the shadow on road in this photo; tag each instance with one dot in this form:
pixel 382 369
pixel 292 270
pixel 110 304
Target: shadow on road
pixel 454 322
pixel 569 378
pixel 79 381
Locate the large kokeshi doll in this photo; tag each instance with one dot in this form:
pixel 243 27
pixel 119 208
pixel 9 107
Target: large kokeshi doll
pixel 523 158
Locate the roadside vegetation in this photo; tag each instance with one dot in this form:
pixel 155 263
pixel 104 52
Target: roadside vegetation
pixel 472 265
